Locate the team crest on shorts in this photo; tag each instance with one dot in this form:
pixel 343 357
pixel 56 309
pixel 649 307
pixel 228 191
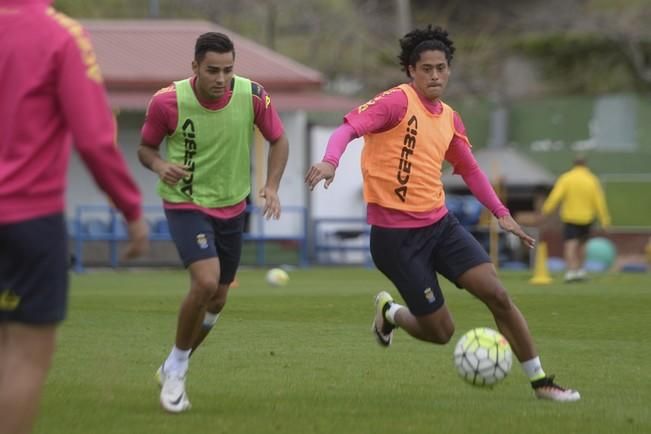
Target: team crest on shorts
pixel 202 241
pixel 429 295
pixel 9 300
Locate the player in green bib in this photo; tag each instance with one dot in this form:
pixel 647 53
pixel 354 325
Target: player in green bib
pixel 207 122
pixel 218 174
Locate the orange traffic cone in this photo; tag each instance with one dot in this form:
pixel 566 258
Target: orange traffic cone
pixel 540 272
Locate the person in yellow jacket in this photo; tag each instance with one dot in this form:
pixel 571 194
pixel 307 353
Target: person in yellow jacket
pixel 582 201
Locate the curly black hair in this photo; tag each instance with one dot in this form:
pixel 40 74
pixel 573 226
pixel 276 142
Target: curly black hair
pixel 419 40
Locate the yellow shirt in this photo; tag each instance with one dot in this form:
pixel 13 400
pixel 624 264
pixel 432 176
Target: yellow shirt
pixel 581 197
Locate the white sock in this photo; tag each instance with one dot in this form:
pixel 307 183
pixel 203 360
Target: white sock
pixel 390 314
pixel 533 369
pixel 209 320
pixel 177 362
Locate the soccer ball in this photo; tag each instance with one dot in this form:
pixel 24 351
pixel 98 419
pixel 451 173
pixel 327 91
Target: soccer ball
pixel 277 277
pixel 483 357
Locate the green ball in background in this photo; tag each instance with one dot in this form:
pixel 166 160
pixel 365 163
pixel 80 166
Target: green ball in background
pixel 601 250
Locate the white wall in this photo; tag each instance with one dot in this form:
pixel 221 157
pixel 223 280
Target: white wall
pixel 344 197
pixel 292 191
pixel 342 200
pixel 82 188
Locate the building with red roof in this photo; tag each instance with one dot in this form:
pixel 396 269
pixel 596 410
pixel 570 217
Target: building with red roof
pixel 138 57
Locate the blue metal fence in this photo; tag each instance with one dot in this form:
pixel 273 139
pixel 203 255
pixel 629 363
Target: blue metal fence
pixel 342 241
pixel 103 223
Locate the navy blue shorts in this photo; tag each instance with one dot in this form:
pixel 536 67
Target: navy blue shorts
pixel 411 259
pixel 198 236
pixel 580 232
pixel 34 270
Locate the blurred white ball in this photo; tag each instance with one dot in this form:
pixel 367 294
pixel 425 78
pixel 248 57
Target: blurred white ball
pixel 277 277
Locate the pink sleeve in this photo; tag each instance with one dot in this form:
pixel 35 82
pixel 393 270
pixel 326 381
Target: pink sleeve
pixel 85 107
pixel 464 164
pixel 338 142
pixel 381 113
pixel 160 119
pixel 460 129
pixel 266 117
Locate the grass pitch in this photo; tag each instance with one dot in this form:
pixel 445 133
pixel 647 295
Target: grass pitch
pixel 301 359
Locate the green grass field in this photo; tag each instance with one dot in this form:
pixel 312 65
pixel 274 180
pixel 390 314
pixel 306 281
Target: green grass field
pixel 629 202
pixel 301 359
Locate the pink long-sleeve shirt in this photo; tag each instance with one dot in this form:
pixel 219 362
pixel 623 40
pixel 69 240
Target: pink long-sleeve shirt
pixel 385 112
pixel 51 94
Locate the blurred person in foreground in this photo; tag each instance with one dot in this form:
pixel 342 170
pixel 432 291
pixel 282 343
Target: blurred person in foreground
pixel 208 122
pixel 582 200
pixel 408 132
pixel 51 95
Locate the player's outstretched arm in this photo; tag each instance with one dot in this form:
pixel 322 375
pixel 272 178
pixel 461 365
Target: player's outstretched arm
pixel 508 224
pixel 320 172
pixel 278 155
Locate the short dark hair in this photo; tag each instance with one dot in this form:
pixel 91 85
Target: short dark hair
pixel 212 41
pixel 419 40
pixel 580 160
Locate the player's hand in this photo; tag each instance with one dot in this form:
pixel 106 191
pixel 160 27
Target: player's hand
pixel 508 224
pixel 271 203
pixel 138 232
pixel 170 173
pixel 318 172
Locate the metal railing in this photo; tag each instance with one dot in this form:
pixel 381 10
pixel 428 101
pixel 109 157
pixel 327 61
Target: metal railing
pixel 102 223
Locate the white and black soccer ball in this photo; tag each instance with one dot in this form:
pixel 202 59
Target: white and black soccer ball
pixel 277 277
pixel 483 357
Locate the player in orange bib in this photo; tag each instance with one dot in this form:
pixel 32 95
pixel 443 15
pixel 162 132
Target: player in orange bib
pixel 408 133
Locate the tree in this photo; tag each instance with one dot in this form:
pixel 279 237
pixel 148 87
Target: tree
pixel 356 41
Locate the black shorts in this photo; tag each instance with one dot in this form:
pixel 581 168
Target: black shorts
pixel 411 259
pixel 573 232
pixel 198 236
pixel 34 270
